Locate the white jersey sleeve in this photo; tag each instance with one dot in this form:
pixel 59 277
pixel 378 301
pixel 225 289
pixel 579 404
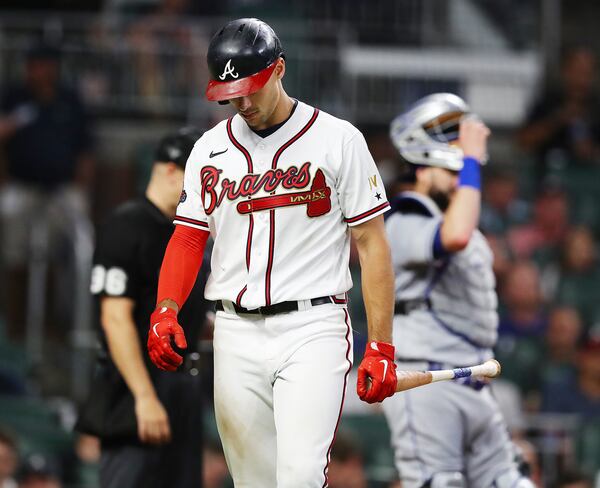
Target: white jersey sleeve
pixel 190 210
pixel 359 186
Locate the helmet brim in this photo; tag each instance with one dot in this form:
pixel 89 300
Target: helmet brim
pixel 218 91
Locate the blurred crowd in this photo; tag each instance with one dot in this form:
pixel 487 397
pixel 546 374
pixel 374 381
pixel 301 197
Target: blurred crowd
pixel 541 214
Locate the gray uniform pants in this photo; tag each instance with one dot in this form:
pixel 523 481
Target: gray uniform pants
pixel 448 427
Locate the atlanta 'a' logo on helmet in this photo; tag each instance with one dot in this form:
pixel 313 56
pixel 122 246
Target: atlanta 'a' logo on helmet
pixel 229 70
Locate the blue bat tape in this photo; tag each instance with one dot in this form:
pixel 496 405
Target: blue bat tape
pixel 461 372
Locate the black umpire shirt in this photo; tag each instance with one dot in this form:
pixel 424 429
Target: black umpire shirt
pixel 129 253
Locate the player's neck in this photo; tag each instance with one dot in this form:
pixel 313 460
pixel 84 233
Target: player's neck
pixel 159 200
pixel 282 111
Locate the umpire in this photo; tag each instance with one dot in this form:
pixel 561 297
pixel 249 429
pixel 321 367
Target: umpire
pixel 149 421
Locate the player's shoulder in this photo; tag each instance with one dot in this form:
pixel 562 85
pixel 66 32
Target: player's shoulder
pixel 217 132
pixel 337 125
pixel 216 135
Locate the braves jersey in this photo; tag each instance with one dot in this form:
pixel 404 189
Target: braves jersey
pixel 460 326
pixel 279 207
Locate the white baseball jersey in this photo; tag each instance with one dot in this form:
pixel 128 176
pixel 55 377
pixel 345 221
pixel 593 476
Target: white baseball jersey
pixel 279 207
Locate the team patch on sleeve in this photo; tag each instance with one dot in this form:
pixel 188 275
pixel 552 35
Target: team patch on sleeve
pixel 183 196
pixel 375 189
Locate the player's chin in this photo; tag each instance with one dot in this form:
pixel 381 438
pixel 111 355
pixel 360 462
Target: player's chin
pixel 252 118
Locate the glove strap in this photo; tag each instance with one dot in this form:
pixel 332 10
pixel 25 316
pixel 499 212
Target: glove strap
pixel 381 348
pixel 161 313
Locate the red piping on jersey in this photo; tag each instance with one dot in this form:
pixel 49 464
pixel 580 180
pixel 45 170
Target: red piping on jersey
pixel 295 138
pixel 367 213
pixel 339 301
pixel 191 221
pixel 242 149
pixel 337 424
pixel 272 212
pixel 240 295
pixel 270 260
pixel 246 154
pixel 249 241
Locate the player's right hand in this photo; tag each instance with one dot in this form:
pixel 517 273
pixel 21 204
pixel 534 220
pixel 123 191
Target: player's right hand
pixel 472 138
pixel 163 326
pixel 377 373
pixel 152 420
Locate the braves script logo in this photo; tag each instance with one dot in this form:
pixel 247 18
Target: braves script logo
pixel 215 189
pixel 229 70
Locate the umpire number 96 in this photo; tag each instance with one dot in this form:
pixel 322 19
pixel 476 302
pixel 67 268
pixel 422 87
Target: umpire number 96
pixel 112 281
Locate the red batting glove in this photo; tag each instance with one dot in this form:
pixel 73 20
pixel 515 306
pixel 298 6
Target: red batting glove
pixel 163 326
pixel 377 366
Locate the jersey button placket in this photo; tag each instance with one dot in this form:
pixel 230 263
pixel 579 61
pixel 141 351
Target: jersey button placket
pixel 260 239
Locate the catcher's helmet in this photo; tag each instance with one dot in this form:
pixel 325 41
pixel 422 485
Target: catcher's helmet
pixel 424 133
pixel 241 58
pixel 176 147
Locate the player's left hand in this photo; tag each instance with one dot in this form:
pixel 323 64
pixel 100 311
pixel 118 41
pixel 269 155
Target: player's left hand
pixel 377 373
pixel 163 326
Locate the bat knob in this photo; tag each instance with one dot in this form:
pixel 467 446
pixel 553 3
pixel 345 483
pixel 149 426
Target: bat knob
pixel 494 368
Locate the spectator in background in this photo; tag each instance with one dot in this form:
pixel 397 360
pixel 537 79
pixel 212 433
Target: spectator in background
pixel 501 207
pixel 579 393
pixel 573 479
pixel 45 135
pixel 9 460
pixel 563 127
pixel 578 277
pixel 167 53
pixel 522 325
pixel 561 342
pixel 39 472
pixel 346 469
pixel 522 313
pixel 39 480
pixel 502 257
pixel 547 229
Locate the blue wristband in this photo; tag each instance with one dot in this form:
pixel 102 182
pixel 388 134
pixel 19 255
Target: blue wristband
pixel 470 174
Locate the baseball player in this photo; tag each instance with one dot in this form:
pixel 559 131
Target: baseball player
pixel 149 421
pixel 451 434
pixel 280 186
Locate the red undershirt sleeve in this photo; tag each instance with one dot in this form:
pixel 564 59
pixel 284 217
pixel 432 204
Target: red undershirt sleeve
pixel 181 263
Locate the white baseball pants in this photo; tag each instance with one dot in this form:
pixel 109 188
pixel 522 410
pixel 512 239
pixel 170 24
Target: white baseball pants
pixel 280 383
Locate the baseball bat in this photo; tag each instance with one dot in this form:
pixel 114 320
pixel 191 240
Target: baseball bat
pixel 412 379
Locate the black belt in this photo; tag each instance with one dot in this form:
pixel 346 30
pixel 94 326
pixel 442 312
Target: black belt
pixel 404 307
pixel 282 307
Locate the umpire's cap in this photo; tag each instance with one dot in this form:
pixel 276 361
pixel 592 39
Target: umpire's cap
pixel 241 57
pixel 177 147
